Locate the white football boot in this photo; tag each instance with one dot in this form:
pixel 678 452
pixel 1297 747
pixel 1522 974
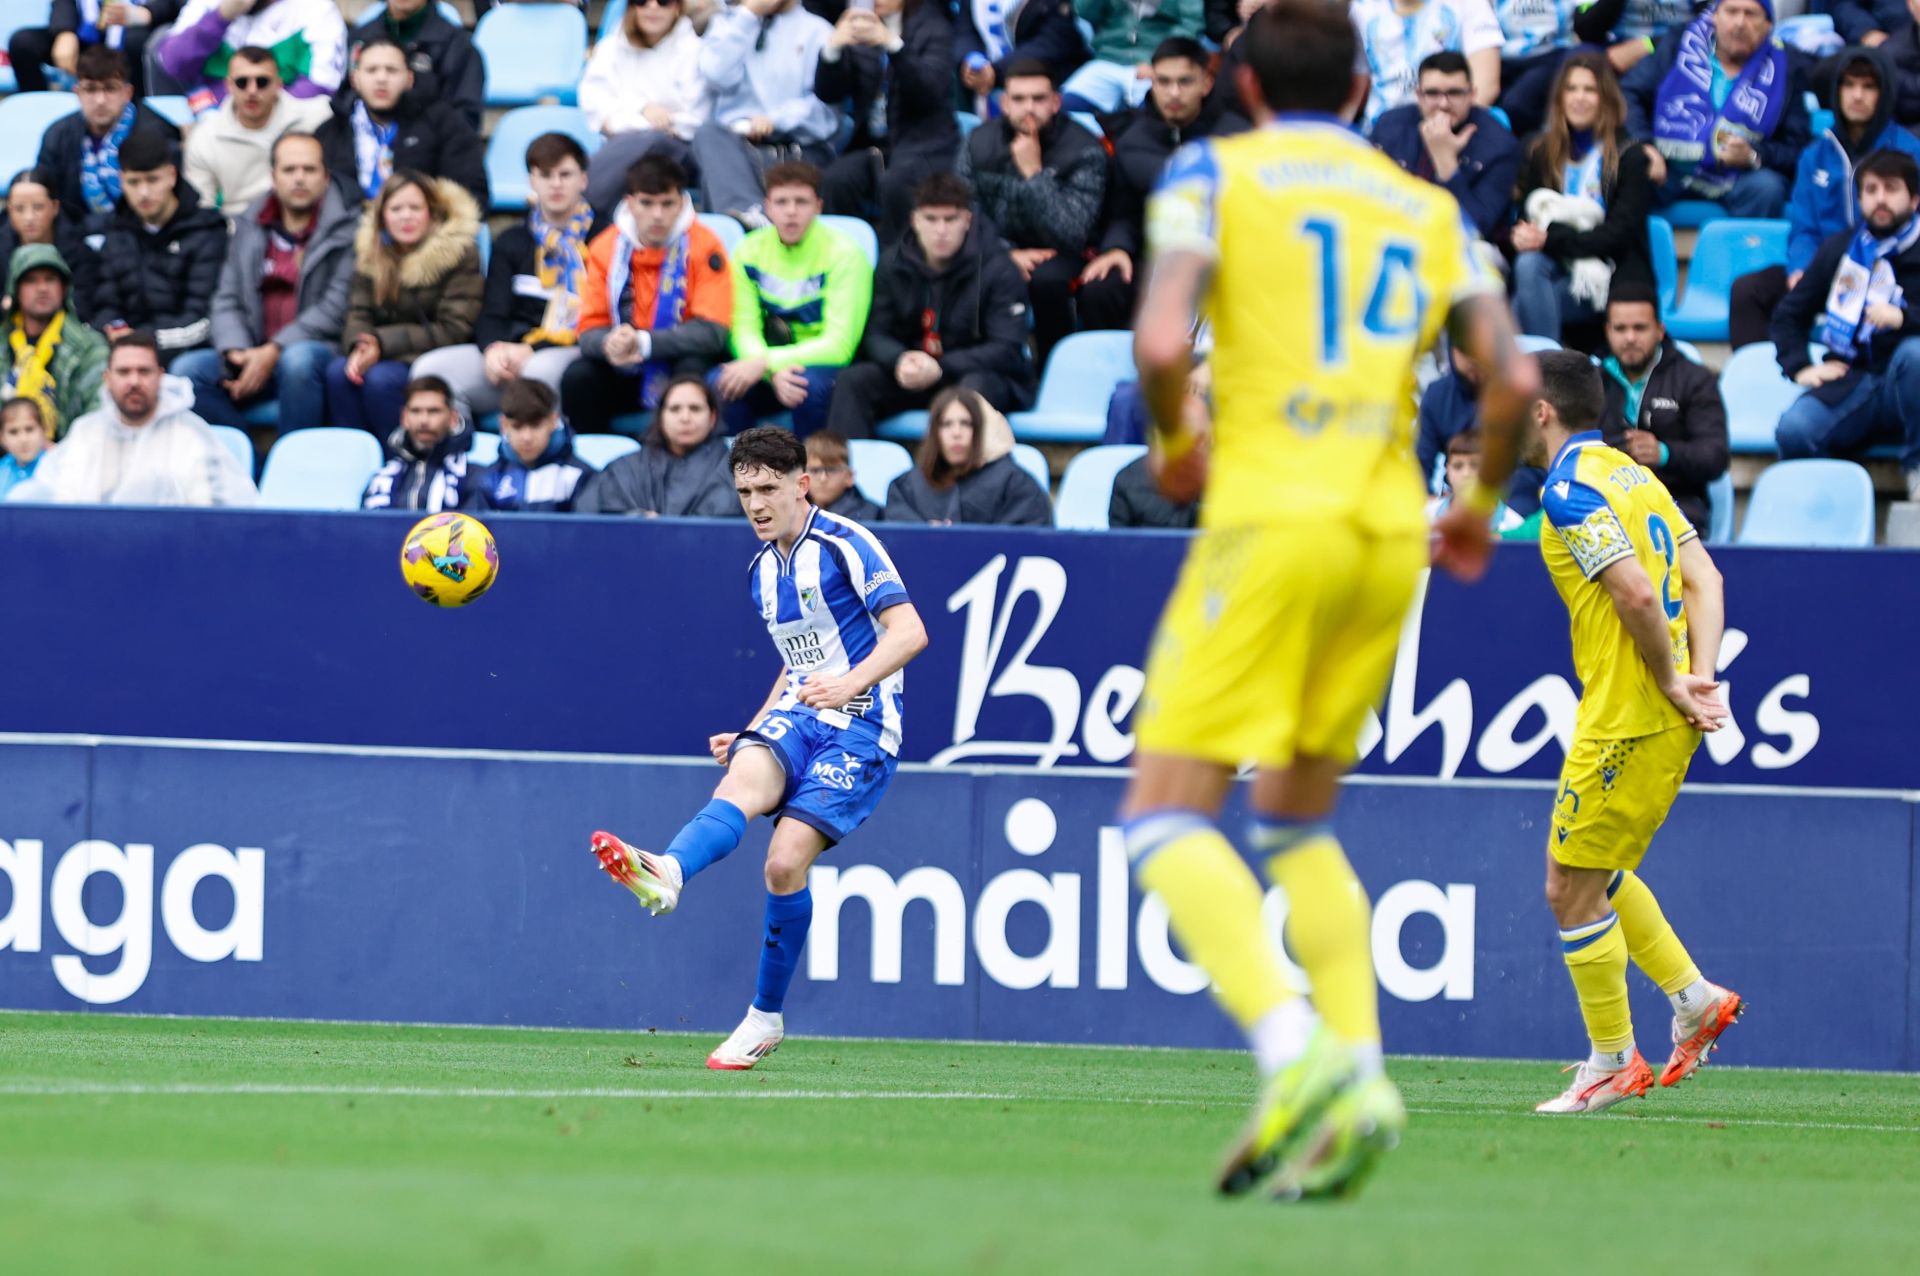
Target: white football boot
pixel 758 1036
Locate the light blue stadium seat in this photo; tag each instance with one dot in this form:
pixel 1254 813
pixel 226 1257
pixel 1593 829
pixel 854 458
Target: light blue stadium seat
pixel 967 121
pixel 1498 113
pixel 1688 213
pixel 1690 350
pixel 602 450
pixel 729 231
pixel 859 231
pixel 1824 503
pixel 23 118
pixel 1666 261
pixel 1725 250
pixel 326 468
pixel 447 11
pixel 876 464
pixel 610 19
pixel 18 14
pixel 236 442
pixel 1086 489
pixel 903 427
pixel 507 148
pixel 1034 461
pixel 1720 509
pixel 1074 388
pixel 1530 344
pixel 1756 392
pixel 173 108
pixel 532 51
pixel 483 240
pixel 483 451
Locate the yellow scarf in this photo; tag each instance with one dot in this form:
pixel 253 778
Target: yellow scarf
pixel 30 378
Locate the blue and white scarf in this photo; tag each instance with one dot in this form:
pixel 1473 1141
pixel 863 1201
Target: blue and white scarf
pixel 1685 121
pixel 1863 278
pixel 995 21
pixel 1584 179
pixel 669 304
pixel 100 165
pixel 89 32
pixel 372 150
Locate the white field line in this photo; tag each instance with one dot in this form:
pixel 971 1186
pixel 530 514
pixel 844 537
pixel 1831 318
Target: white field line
pixel 137 1089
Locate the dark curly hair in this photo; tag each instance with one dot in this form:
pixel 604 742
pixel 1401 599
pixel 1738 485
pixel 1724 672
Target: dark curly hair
pixel 769 447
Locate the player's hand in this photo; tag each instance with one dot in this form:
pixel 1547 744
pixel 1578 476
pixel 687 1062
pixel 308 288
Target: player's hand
pixel 1698 701
pixel 1462 543
pixel 1112 261
pixel 1643 447
pixel 1181 479
pixel 1889 318
pixel 826 691
pixel 1028 260
pixel 790 387
pixel 718 745
pixel 1815 375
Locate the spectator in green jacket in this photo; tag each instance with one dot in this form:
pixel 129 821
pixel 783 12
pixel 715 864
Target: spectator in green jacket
pixel 1125 34
pixel 48 354
pixel 801 292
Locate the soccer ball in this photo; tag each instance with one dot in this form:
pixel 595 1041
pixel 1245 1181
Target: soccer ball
pixel 449 559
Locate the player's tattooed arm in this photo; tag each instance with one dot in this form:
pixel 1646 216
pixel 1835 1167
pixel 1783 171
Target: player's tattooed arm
pixel 1643 614
pixel 1481 327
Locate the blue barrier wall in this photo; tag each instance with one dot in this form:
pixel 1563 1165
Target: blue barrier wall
pixel 636 636
pixel 410 885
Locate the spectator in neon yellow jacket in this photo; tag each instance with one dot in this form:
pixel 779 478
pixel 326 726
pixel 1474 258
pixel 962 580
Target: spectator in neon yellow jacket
pixel 801 292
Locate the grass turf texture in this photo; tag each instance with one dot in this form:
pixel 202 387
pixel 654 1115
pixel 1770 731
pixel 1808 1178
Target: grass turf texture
pixel 187 1145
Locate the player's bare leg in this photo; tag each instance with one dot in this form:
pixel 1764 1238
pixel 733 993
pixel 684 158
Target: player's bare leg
pixel 751 788
pixel 790 856
pixel 1596 953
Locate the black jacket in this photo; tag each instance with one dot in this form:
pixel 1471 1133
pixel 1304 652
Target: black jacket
pixel 1794 318
pixel 918 85
pixel 1779 152
pixel 655 481
pixel 1483 182
pixel 979 305
pixel 1142 142
pixel 433 138
pixel 550 485
pixel 446 66
pixel 1043 29
pixel 1136 502
pixel 60 151
pixel 163 281
pixel 1904 48
pixel 1057 208
pixel 507 314
pixel 1622 237
pixel 1681 407
pixel 998 492
pixel 854 505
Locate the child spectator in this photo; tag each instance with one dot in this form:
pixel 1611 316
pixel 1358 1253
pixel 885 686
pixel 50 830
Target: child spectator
pixel 965 472
pixel 1463 467
pixel 832 487
pixel 681 468
pixel 24 435
pixel 537 471
pixel 426 469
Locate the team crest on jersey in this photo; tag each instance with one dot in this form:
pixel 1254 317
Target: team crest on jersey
pixel 809 597
pixel 1597 540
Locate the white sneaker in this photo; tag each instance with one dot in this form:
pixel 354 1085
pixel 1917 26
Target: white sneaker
pixel 1595 1091
pixel 654 879
pixel 758 1036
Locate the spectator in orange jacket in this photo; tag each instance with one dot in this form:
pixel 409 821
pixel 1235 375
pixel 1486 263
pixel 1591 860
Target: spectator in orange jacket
pixel 656 304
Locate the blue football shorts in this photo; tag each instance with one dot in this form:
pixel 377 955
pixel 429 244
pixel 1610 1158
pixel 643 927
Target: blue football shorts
pixel 835 775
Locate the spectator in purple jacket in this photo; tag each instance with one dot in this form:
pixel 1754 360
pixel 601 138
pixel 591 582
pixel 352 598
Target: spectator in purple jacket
pixel 308 39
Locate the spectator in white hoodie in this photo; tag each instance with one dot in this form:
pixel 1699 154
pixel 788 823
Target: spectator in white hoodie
pixel 229 152
pixel 758 59
pixel 642 92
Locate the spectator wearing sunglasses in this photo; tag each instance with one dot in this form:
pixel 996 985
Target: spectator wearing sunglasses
pixel 228 154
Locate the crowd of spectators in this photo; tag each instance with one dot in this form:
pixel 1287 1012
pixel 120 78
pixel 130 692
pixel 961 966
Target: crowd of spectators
pixel 315 243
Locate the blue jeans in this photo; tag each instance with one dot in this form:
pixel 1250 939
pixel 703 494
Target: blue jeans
pixel 1759 193
pixel 1543 300
pixel 374 406
pixel 299 382
pixel 761 402
pixel 1877 407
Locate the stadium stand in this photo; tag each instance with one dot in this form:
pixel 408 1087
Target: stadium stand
pixel 507 148
pixel 876 464
pixel 600 450
pixel 323 469
pixel 19 14
pixel 533 52
pixel 860 232
pixel 1809 503
pixel 1074 389
pixel 1725 250
pixel 236 442
pixel 23 118
pixel 1086 489
pixel 1033 461
pixel 484 450
pixel 1666 261
pixel 726 229
pixel 1756 392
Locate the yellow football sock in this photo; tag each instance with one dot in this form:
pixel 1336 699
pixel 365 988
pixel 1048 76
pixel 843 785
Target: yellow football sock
pixel 1329 926
pixel 1597 959
pixel 1213 902
pixel 1651 942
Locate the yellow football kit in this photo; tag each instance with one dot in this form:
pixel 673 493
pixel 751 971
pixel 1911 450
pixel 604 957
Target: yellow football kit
pixel 1334 270
pixel 1631 747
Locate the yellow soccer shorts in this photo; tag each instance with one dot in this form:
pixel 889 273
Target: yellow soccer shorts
pixel 1276 642
pixel 1615 795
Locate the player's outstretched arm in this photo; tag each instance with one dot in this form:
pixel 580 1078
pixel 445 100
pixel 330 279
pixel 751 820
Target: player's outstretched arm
pixel 1639 607
pixel 1482 328
pixel 1704 593
pixel 905 638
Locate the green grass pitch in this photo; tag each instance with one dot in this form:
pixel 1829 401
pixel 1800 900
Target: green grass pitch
pixel 163 1145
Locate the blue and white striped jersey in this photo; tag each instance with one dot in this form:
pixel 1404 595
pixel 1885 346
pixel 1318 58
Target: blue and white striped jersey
pixel 819 604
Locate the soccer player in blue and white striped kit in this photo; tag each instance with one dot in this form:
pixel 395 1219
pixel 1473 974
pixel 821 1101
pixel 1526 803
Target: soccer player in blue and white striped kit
pixel 819 753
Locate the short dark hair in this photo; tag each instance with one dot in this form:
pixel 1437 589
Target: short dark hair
pixel 549 150
pixel 1570 382
pixel 380 42
pixel 35 406
pixel 768 447
pixel 1446 62
pixel 1465 443
pixel 102 65
pixel 943 190
pixel 1029 69
pixel 255 54
pixel 1889 165
pixel 655 174
pixel 147 150
pixel 1181 46
pixel 273 152
pixel 1631 292
pixel 428 385
pixel 138 339
pixel 1302 54
pixel 523 399
pixel 829 446
pixel 792 173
